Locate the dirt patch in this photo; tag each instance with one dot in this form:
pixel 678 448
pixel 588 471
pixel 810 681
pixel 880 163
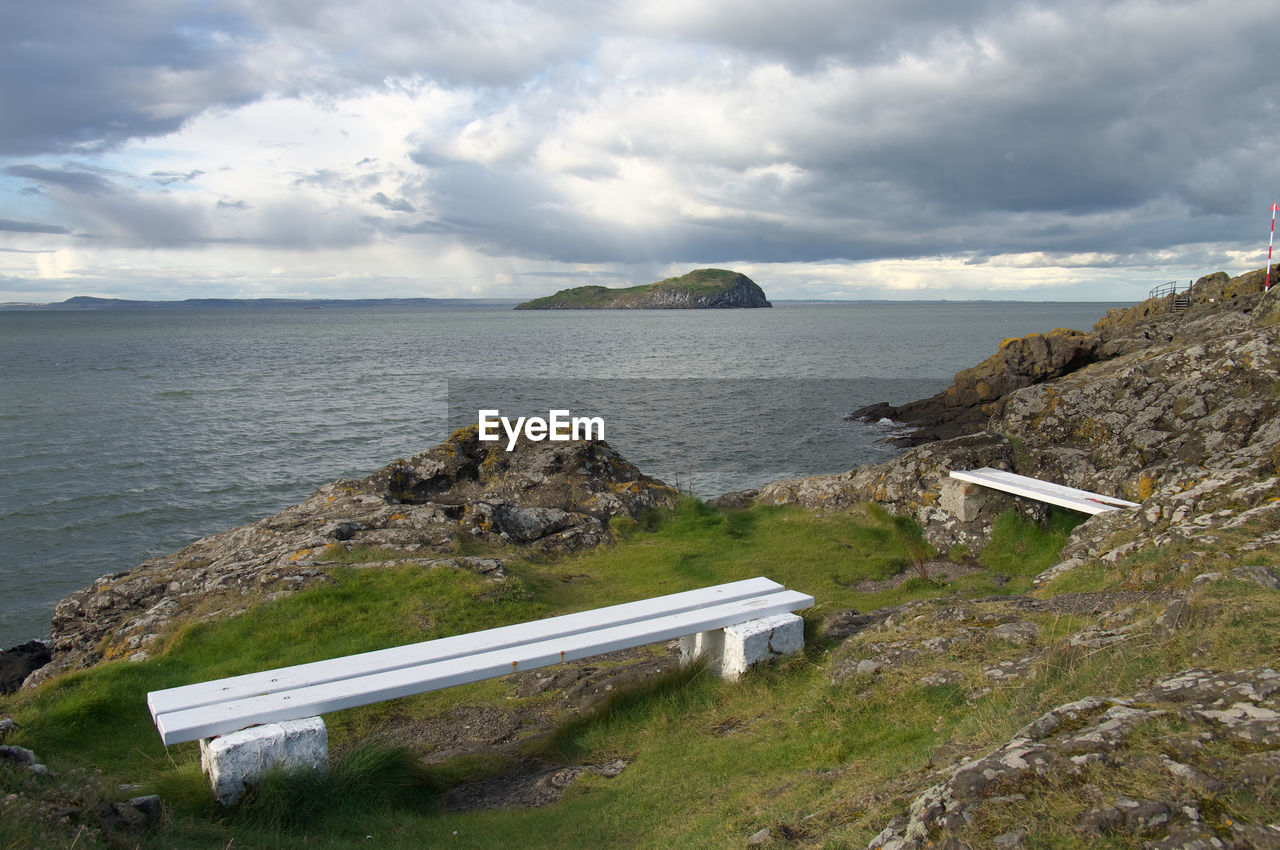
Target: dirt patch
pixel 538 703
pixel 937 570
pixel 529 785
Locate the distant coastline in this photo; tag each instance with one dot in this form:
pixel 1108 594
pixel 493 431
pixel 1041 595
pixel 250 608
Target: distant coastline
pixel 88 302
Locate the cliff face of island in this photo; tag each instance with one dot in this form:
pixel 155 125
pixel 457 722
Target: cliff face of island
pixel 701 289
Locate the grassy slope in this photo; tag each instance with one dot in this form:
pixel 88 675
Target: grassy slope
pixel 711 762
pixel 698 282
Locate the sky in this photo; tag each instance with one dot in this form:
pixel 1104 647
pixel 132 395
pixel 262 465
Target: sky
pixel 914 149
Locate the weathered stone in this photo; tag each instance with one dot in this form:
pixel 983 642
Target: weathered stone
pixel 1020 633
pixel 943 677
pixel 236 761
pixel 17 755
pixel 1188 838
pixel 763 836
pixel 21 661
pixel 1047 752
pixel 1143 816
pixel 1100 821
pixel 731 651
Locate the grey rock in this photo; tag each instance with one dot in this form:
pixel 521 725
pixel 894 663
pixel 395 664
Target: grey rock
pixel 1011 840
pixel 1188 838
pixel 1256 836
pixel 1101 820
pixel 17 755
pixel 19 662
pixel 150 806
pixel 760 837
pixel 1143 816
pixel 1258 575
pixel 943 677
pixel 1052 749
pixel 1009 669
pixel 1020 633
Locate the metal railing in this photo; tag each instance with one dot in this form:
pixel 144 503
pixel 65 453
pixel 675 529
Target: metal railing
pixel 1178 301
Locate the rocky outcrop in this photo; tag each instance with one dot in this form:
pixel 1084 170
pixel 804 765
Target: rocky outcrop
pixel 968 404
pixel 1180 412
pixel 700 289
pixel 550 496
pixel 1165 730
pixel 21 661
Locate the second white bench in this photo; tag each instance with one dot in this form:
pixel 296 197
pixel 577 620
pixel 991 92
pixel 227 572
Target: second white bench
pixel 1043 491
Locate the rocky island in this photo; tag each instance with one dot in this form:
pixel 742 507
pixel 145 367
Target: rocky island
pixel 701 289
pixel 1116 689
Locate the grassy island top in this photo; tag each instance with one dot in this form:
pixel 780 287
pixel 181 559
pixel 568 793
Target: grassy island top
pixel 699 289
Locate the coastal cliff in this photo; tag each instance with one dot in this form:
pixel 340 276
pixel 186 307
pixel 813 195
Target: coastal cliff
pixel 701 289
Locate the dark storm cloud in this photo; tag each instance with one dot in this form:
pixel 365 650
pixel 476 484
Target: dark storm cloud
pixel 75 180
pixel 31 227
pixel 86 75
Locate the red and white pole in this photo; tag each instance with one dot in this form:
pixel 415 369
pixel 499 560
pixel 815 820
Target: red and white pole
pixel 1270 242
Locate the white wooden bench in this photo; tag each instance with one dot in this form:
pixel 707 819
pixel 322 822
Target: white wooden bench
pixel 1044 491
pixel 736 624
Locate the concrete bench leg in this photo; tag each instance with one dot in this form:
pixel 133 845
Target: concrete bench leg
pixel 240 759
pixel 732 650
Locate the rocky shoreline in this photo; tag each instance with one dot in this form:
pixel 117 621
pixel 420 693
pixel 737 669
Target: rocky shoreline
pixel 548 496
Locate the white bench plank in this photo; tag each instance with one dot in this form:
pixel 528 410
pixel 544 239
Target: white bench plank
pixel 334 669
pixel 305 701
pixel 318 672
pixel 1044 491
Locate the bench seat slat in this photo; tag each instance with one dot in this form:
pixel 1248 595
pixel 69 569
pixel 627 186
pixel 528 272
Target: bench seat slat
pixel 304 701
pixel 318 672
pixel 1043 491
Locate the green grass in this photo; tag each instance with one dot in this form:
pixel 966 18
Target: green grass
pixel 709 762
pixel 1020 547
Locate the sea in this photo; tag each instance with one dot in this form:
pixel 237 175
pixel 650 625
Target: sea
pixel 129 433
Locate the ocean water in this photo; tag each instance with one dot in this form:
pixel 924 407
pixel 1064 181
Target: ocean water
pixel 129 433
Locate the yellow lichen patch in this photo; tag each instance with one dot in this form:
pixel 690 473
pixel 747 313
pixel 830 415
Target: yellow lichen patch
pixel 1146 486
pixel 928 497
pixel 397 517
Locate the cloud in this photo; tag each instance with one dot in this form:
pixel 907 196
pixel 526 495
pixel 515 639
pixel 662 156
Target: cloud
pixel 93 76
pixel 397 205
pixel 995 133
pixel 31 227
pixel 75 180
pixel 168 178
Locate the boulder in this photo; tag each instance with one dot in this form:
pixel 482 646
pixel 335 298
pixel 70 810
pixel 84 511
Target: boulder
pixel 21 661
